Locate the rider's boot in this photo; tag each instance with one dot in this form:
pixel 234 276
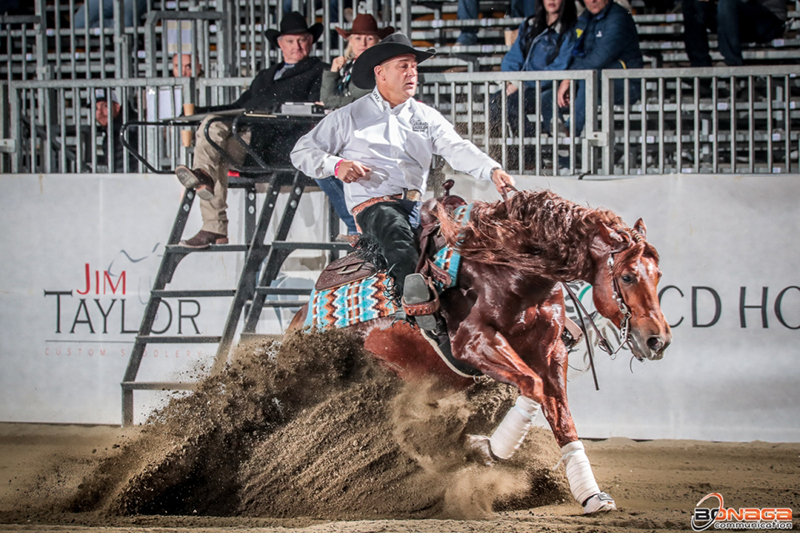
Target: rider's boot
pixel 421 302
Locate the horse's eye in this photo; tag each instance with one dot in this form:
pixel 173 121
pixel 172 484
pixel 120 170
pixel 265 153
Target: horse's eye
pixel 627 278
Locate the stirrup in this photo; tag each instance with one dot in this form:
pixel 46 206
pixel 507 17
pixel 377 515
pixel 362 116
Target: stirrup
pixel 417 301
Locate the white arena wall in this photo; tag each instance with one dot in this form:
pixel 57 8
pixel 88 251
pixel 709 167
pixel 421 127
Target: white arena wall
pixel 79 254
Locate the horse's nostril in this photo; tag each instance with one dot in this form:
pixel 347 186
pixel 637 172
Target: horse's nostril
pixel 654 343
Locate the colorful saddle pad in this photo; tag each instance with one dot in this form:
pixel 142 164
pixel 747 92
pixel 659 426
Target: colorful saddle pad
pixel 367 299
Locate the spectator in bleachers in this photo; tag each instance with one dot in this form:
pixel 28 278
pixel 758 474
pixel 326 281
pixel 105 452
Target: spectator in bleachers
pixel 338 90
pixel 606 39
pixel 105 113
pixel 134 10
pixel 468 10
pixel 544 42
pixel 295 79
pixel 182 66
pixel 170 99
pixel 337 85
pixel 735 22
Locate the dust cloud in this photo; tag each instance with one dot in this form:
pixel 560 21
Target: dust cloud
pixel 314 427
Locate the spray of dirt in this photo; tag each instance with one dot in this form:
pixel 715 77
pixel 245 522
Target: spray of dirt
pixel 315 428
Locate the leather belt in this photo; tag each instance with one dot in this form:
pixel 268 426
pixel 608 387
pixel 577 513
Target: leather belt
pixel 412 195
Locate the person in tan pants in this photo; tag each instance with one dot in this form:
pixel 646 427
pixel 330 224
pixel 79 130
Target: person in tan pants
pixel 295 79
pixel 210 179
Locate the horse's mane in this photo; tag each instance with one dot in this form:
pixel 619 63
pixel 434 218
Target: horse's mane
pixel 539 233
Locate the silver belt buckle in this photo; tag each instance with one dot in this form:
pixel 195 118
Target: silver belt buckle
pixel 412 195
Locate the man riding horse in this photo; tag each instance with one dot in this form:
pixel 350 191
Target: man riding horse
pixel 381 147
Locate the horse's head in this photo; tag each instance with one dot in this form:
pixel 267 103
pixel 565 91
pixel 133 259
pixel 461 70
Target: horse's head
pixel 626 276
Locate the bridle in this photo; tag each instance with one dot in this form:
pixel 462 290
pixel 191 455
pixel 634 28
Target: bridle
pixel 625 334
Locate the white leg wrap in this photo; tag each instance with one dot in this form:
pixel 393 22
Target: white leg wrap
pixel 579 472
pixel 512 430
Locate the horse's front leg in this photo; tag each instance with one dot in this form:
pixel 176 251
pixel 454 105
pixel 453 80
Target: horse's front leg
pixel 490 352
pixel 581 479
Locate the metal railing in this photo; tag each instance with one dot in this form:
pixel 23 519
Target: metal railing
pixel 721 120
pixel 21 36
pixel 198 26
pixel 220 91
pixel 53 125
pixel 478 105
pixel 52 46
pixel 711 120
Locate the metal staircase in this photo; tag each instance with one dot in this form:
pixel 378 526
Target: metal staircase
pixel 262 264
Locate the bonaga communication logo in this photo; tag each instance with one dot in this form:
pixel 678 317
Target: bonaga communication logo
pixel 748 518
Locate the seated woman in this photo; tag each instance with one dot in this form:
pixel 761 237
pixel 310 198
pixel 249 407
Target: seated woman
pixel 338 90
pixel 544 42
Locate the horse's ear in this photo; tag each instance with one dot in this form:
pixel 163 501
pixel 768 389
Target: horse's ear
pixel 610 236
pixel 640 228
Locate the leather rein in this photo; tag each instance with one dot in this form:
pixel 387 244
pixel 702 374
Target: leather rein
pixel 625 336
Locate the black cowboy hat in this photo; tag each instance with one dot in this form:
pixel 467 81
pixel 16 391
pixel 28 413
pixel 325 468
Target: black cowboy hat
pixel 292 24
pixel 394 45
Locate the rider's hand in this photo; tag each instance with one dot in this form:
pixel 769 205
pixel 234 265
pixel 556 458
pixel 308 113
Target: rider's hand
pixel 511 88
pixel 337 64
pixel 563 94
pixel 350 171
pixel 502 179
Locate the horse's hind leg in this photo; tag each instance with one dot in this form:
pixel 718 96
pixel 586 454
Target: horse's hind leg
pixel 582 483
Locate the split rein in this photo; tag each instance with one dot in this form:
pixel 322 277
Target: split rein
pixel 625 336
pixel 624 330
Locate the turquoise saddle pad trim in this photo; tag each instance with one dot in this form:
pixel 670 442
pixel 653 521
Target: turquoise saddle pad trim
pixel 366 300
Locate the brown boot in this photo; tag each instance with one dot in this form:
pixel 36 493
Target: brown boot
pixel 204 239
pixel 197 179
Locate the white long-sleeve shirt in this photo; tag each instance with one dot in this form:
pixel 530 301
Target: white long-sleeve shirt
pixel 396 144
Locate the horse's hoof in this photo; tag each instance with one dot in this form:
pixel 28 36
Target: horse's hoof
pixel 480 450
pixel 599 503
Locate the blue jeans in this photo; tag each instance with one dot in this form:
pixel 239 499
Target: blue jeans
pixel 108 13
pixel 634 93
pixel 734 21
pixel 334 188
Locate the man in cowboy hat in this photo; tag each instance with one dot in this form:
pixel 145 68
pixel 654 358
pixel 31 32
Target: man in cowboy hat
pixel 295 79
pixel 381 147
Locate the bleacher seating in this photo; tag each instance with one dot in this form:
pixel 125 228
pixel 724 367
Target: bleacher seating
pixel 81 53
pixel 45 46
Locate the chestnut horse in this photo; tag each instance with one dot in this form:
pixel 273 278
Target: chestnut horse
pixel 506 315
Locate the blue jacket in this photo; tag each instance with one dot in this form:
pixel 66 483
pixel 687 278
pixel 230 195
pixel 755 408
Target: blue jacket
pixel 544 53
pixel 607 40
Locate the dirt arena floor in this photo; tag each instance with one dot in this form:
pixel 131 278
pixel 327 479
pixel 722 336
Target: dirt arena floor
pixel 289 440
